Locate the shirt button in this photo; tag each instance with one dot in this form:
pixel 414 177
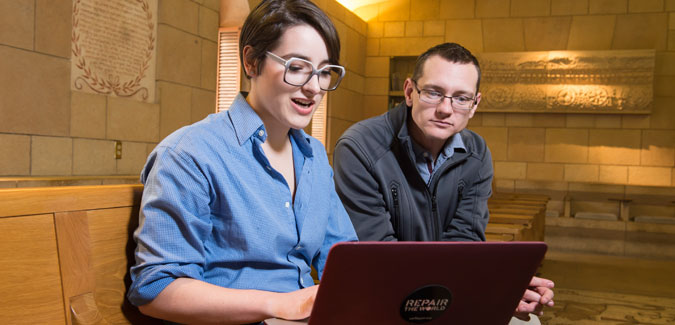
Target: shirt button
pixel 287 204
pixel 297 248
pixel 302 282
pixel 261 133
pixel 268 167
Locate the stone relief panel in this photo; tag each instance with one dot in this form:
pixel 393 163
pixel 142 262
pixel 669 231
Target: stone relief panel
pixel 113 48
pixel 568 81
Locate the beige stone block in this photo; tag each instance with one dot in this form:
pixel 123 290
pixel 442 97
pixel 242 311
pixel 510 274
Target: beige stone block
pixel 434 28
pixel 496 139
pixel 566 145
pixel 503 35
pixel 545 172
pixel 368 12
pixel 209 64
pixel 672 171
pixel 175 103
pixel 398 10
pixel 635 121
pixel 150 148
pixel 469 33
pixel 51 156
pixel 208 23
pixel 526 144
pixel 658 148
pixel 663 114
pixel 580 121
pixel 671 21
pixel 510 170
pixel 613 174
pixel 530 8
pixel 457 9
pixel 181 14
pixel 53 27
pixel 520 119
pixel 504 185
pixel 664 86
pixel 377 86
pixel 213 4
pixel 18 148
pixel 133 158
pixel 641 31
pixel 203 104
pixel 87 115
pixel 375 29
pixel 670 5
pixel 475 121
pixel 372 47
pixel 608 121
pixel 424 9
pixel 549 120
pixel 336 127
pixel 581 173
pixel 356 23
pixel 377 66
pixel 671 41
pixel 607 146
pixel 178 56
pixel 394 29
pixel 591 33
pixel 357 54
pixel 345 104
pixel 608 6
pixel 353 81
pixel 652 176
pixel 411 46
pixel 546 34
pixel 569 7
pixel 413 28
pixel 35 93
pixel 494 119
pixel 132 120
pixel 335 9
pixel 17 23
pixel 93 157
pixel 374 106
pixel 492 8
pixel 645 5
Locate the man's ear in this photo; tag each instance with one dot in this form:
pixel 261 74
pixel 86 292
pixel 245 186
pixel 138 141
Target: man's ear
pixel 408 88
pixel 250 64
pixel 475 105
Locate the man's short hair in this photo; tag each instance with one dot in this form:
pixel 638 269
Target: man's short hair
pixel 452 52
pixel 266 23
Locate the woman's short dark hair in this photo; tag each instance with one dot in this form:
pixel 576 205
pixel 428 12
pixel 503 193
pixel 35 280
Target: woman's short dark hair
pixel 267 21
pixel 452 52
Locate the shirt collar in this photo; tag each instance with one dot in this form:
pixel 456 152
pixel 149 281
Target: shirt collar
pixel 247 124
pixel 454 143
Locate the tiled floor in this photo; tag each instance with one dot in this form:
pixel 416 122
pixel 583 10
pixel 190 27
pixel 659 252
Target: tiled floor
pixel 592 289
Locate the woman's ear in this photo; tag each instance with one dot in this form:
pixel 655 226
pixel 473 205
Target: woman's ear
pixel 250 66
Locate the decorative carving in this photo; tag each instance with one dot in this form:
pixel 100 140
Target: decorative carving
pixel 113 47
pixel 568 81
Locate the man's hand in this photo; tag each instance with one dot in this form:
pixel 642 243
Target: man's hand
pixel 538 295
pixel 294 305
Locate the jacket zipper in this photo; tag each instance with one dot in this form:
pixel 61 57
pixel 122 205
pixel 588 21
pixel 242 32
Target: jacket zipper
pixel 394 214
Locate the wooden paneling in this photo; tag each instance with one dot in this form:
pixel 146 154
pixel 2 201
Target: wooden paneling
pixel 30 286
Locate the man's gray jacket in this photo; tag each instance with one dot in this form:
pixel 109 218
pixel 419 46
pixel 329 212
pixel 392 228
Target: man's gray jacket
pixel 385 196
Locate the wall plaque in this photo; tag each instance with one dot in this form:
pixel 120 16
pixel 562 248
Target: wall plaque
pixel 568 81
pixel 113 47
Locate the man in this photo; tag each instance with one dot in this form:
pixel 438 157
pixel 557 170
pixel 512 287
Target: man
pixel 415 173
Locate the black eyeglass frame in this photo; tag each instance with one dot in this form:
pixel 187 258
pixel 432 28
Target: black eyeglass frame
pixel 452 98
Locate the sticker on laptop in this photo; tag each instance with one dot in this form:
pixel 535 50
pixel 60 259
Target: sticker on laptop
pixel 426 303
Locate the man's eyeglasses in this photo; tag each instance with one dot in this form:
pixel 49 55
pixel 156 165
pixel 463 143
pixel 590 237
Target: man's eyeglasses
pixel 460 104
pixel 298 72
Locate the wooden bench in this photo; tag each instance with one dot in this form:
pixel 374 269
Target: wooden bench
pixel 65 254
pixel 516 217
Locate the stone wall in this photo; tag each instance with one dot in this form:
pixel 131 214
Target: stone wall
pixel 539 150
pixel 48 130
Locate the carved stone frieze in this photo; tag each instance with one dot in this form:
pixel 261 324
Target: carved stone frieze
pixel 568 81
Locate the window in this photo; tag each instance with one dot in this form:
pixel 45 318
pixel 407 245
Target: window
pixel 229 70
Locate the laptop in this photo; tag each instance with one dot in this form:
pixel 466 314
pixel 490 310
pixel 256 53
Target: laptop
pixel 423 282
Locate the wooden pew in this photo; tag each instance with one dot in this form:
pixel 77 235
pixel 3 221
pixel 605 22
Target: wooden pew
pixel 516 216
pixel 65 254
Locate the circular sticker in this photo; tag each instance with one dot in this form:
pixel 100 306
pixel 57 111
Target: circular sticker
pixel 426 303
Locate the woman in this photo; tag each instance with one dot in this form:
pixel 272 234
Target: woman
pixel 238 206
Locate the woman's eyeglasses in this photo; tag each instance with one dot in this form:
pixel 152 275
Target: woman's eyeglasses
pixel 298 72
